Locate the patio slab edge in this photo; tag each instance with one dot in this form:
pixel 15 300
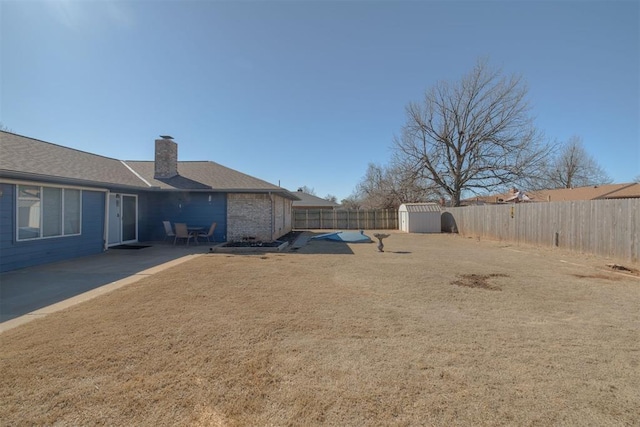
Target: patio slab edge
pixel 249 249
pixel 86 296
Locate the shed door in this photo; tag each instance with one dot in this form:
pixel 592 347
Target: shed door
pixel 404 221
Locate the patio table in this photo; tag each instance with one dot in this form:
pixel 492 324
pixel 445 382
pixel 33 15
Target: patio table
pixel 194 232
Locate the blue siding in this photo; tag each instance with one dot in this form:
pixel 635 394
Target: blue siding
pixel 7 214
pixel 194 209
pixel 14 255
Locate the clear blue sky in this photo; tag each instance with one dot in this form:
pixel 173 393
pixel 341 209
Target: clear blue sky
pixel 307 92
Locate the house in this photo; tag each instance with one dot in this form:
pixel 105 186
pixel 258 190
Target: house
pixel 595 192
pixel 309 201
pixel 58 203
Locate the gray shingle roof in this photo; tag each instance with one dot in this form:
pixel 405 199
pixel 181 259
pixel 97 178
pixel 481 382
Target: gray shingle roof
pixel 23 157
pixel 202 175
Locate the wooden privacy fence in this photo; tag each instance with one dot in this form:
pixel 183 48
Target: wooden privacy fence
pixel 609 228
pixel 345 219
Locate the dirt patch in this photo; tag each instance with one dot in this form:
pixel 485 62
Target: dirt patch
pixel 324 336
pixel 622 268
pixel 598 276
pixel 479 281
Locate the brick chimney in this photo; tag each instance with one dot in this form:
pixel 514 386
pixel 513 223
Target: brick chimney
pixel 166 164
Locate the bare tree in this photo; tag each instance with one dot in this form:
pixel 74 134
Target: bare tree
pixel 574 167
pixel 373 190
pixel 351 202
pixel 471 136
pixel 331 198
pixel 388 187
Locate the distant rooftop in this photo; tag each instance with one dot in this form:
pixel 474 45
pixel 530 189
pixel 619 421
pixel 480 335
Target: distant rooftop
pixel 594 192
pixel 309 201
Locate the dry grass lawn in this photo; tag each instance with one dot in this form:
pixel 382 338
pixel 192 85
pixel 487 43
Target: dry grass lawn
pixel 438 330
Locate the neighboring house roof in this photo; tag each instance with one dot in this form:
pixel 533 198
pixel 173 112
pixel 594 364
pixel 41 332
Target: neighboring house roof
pixel 631 191
pixel 596 192
pixel 308 201
pixel 28 158
pixel 579 193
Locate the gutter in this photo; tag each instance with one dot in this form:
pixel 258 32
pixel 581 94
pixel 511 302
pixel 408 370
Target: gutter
pixel 50 184
pixel 67 182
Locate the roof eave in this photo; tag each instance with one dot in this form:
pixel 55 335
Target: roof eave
pixel 52 179
pixel 26 176
pixel 280 191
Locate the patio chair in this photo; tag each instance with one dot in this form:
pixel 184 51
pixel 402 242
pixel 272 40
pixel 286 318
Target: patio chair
pixel 209 234
pixel 168 231
pixel 182 233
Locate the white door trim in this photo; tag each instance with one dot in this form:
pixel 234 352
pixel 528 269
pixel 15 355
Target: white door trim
pixel 116 221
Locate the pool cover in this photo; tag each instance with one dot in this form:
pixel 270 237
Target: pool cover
pixel 345 236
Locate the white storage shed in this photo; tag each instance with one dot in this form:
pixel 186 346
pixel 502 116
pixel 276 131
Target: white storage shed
pixel 419 217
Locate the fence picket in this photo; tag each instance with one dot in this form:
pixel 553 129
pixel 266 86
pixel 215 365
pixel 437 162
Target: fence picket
pixel 608 228
pixel 346 219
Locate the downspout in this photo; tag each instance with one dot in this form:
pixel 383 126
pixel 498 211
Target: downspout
pixel 105 232
pixel 271 215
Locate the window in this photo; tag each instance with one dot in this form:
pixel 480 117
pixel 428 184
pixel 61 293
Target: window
pixel 28 212
pixel 71 212
pixel 52 212
pixel 47 212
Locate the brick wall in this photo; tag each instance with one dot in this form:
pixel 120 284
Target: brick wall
pixel 282 220
pixel 261 216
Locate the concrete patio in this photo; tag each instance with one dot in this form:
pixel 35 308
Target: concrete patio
pixel 36 291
